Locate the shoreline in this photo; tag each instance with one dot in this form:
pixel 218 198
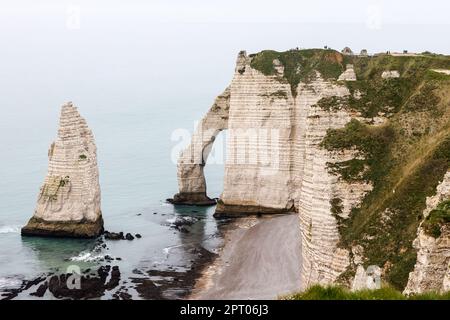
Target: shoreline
pixel 259 259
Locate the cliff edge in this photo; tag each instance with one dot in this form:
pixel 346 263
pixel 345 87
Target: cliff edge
pixel 353 144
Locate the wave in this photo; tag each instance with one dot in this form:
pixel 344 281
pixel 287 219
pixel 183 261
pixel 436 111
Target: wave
pixel 166 250
pixel 9 283
pixel 89 256
pixel 86 257
pixel 10 229
pixel 171 220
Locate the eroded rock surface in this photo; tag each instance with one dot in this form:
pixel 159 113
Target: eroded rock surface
pixel 432 269
pixel 191 178
pixel 275 163
pixel 69 200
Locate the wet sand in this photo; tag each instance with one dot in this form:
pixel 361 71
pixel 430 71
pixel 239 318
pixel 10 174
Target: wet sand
pixel 260 260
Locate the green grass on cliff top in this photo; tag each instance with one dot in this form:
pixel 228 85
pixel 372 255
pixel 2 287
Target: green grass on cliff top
pixel 340 293
pixel 301 65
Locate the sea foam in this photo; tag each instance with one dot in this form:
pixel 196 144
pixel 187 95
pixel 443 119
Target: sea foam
pixel 10 229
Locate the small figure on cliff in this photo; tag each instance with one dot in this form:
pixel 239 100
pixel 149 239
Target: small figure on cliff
pixel 69 200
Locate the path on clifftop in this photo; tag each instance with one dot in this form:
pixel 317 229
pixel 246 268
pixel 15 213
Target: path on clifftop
pixel 260 262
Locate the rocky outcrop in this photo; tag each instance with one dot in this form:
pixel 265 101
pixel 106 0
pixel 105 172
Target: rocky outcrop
pixel 367 279
pixel 275 163
pixel 348 75
pixel 390 74
pixel 432 269
pixel 443 71
pixel 191 178
pixel 69 200
pixel 286 154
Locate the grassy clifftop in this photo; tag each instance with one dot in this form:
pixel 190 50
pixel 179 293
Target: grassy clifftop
pixel 340 293
pixel 300 65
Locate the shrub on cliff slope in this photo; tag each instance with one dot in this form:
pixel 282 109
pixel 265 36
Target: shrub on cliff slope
pixel 340 293
pixel 301 65
pixel 436 219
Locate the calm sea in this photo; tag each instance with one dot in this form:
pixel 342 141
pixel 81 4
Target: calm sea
pixel 137 174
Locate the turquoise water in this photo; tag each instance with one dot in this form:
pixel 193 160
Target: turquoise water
pixel 136 176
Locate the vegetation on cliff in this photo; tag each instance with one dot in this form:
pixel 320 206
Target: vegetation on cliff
pixel 404 158
pixel 318 292
pixel 300 65
pixel 437 219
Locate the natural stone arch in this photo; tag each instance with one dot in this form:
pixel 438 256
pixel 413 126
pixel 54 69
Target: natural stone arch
pixel 190 167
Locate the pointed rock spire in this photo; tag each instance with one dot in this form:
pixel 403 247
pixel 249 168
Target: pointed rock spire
pixel 69 200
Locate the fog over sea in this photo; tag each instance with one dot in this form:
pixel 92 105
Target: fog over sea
pixel 141 74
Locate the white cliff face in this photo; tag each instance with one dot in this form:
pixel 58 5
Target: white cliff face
pixel 348 75
pixel 367 279
pixel 390 74
pixel 191 178
pixel 314 187
pixel 275 163
pixel 70 195
pixel 432 269
pixel 257 171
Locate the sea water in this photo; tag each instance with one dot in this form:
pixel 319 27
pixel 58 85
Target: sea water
pixel 137 174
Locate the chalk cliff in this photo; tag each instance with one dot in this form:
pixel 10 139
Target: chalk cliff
pixel 69 200
pixel 191 179
pixel 326 135
pixel 432 269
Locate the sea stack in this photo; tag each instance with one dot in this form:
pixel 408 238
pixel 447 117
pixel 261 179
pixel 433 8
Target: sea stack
pixel 69 200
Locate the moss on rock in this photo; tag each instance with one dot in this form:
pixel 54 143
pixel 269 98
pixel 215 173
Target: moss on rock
pixel 437 219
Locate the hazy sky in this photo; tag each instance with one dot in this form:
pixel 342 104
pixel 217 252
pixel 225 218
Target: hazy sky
pixel 354 11
pixel 108 52
pixel 138 70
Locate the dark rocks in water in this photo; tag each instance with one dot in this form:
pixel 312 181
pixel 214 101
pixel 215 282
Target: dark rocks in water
pixel 40 290
pixel 155 212
pixel 183 229
pixel 118 258
pixel 11 293
pixel 137 271
pixel 139 214
pixel 122 295
pixel 182 223
pixel 192 198
pixel 113 235
pixel 172 284
pixel 82 287
pixel 103 272
pixel 115 278
pixel 147 289
pixel 137 235
pixel 118 236
pixel 34 282
pixel 128 236
pixel 63 229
